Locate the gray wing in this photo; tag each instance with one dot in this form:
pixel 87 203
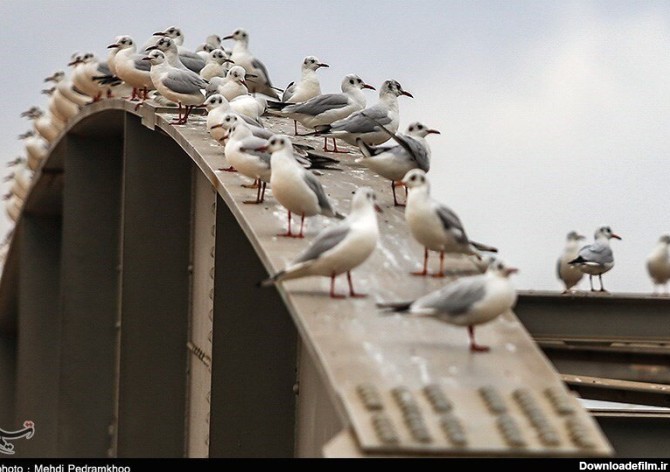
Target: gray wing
pixel 598 253
pixel 319 104
pixel 261 67
pixel 452 223
pixel 288 92
pixel 141 64
pixel 455 298
pixel 365 121
pixel 183 81
pixel 326 240
pixel 104 69
pixel 213 85
pixel 317 188
pixel 249 146
pixel 192 61
pixel 417 151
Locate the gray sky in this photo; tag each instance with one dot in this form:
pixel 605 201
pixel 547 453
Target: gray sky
pixel 554 114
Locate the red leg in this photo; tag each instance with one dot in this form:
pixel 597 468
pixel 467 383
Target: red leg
pixel 258 196
pixel 337 151
pixel 288 234
pixel 440 274
pixel 228 169
pixel 295 128
pixel 302 226
pixel 256 184
pixel 395 184
pixel 178 120
pixel 332 288
pixel 474 347
pixel 352 293
pixel 263 186
pixel 424 272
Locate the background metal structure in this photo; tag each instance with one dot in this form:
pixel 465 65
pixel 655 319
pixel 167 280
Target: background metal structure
pixel 129 296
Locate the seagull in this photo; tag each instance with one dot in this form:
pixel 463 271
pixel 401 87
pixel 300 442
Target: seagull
pixel 67 89
pixel 411 151
pixel 190 59
pixel 307 87
pixel 295 188
pixel 131 68
pixel 42 123
pixel 218 107
pixel 181 86
pixel 326 108
pixel 60 104
pixel 658 264
pixel 86 66
pixel 212 42
pixel 570 275
pixel 216 65
pixel 596 258
pixel 260 82
pixel 339 248
pixel 36 148
pixel 364 124
pixel 434 225
pixel 168 47
pixel 468 301
pixel 234 84
pixel 241 154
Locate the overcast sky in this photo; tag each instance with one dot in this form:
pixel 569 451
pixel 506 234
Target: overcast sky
pixel 555 115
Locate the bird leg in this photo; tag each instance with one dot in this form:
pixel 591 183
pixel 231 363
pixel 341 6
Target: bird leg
pixel 256 184
pixel 591 283
pixel 260 195
pixel 332 287
pixel 178 120
pixel 474 347
pixel 302 225
pixel 288 234
pixel 440 274
pixel 352 293
pixel 602 289
pixel 334 150
pixel 295 128
pixel 424 272
pixel 395 184
pixel 228 169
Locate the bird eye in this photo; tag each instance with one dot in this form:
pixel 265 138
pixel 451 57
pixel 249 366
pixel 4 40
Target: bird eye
pixel 419 127
pixel 411 128
pixel 413 178
pixel 351 81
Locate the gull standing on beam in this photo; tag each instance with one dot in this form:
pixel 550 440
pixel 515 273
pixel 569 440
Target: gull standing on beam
pixel 468 301
pixel 216 65
pixel 411 151
pixel 307 87
pixel 434 225
pixel 212 42
pixel 596 258
pixel 339 248
pixel 217 107
pixel 259 79
pixel 568 274
pixel 190 59
pixel 234 84
pixel 66 107
pixel 295 188
pixel 658 264
pixel 327 108
pixel 181 86
pixel 364 124
pixel 131 68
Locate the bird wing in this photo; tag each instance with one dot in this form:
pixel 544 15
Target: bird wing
pixel 325 241
pixel 319 104
pixel 191 60
pixel 451 223
pixel 317 188
pixel 141 64
pixel 104 69
pixel 249 146
pixel 183 81
pixel 288 92
pixel 259 66
pixel 597 253
pixel 365 121
pixel 455 298
pixel 417 150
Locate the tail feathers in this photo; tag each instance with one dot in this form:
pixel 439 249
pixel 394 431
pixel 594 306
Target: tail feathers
pixel 339 215
pixel 396 307
pixel 271 280
pixel 483 247
pixel 318 161
pixel 275 105
pixel 321 129
pixel 578 260
pixel 108 80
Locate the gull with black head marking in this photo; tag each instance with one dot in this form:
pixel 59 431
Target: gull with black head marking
pixel 191 60
pixel 434 225
pixel 596 258
pixel 339 248
pixel 295 188
pixel 259 79
pixel 568 274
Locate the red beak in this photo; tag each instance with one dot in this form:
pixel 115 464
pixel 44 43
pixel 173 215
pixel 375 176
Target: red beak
pixel 262 148
pixel 616 236
pixel 511 270
pixel 368 86
pixel 378 209
pixel 160 33
pixel 433 131
pixel 112 46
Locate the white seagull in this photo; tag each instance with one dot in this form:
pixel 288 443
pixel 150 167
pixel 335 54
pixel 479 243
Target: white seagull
pixel 364 124
pixel 326 108
pixel 340 247
pixel 568 274
pixel 234 84
pixel 596 258
pixel 410 151
pixel 468 301
pixel 182 86
pixel 131 68
pixel 434 225
pixel 42 123
pixel 307 87
pixel 191 60
pixel 260 82
pixel 216 65
pixel 59 102
pixel 218 107
pixel 658 264
pixel 295 188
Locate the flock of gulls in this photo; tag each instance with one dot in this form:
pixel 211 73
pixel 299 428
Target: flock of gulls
pixel 235 89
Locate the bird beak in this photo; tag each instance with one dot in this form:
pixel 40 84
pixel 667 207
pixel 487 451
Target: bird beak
pixel 230 36
pixel 159 33
pixel 616 236
pixel 75 62
pixel 378 209
pixel 219 125
pixel 229 60
pixel 51 78
pixel 251 76
pixel 580 236
pixel 112 46
pixel 151 48
pixel 321 64
pixel 146 58
pixel 511 270
pixel 433 131
pixel 368 86
pixel 262 148
pixel 406 93
pixel 243 82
